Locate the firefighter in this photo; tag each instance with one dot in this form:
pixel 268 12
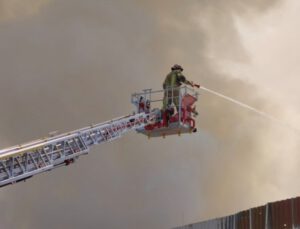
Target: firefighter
pixel 171 86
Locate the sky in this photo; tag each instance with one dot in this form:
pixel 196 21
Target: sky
pixel 67 64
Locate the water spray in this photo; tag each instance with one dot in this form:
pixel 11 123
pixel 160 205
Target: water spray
pixel 240 104
pixel 261 113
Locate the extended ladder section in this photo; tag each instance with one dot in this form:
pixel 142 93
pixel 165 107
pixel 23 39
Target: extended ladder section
pixel 24 161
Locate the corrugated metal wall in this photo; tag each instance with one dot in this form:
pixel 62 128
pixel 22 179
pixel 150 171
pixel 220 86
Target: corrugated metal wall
pixel 283 214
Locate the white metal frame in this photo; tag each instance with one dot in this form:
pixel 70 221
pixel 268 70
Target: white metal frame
pixel 21 162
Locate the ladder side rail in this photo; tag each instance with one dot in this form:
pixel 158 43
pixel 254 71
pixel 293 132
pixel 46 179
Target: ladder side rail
pixel 41 142
pixel 34 159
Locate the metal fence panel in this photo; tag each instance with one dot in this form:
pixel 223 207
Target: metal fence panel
pixel 283 214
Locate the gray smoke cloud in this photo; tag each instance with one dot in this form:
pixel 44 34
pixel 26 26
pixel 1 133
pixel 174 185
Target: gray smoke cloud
pixel 73 63
pixel 17 9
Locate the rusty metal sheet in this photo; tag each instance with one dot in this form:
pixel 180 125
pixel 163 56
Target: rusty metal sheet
pixel 243 220
pixel 281 215
pixel 258 217
pixel 296 212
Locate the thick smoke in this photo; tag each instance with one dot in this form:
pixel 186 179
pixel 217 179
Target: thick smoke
pixel 17 9
pixel 76 62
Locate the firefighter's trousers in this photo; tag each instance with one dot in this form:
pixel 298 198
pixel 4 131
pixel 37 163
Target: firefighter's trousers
pixel 171 96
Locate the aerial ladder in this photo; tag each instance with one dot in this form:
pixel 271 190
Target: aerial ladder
pixel 21 162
